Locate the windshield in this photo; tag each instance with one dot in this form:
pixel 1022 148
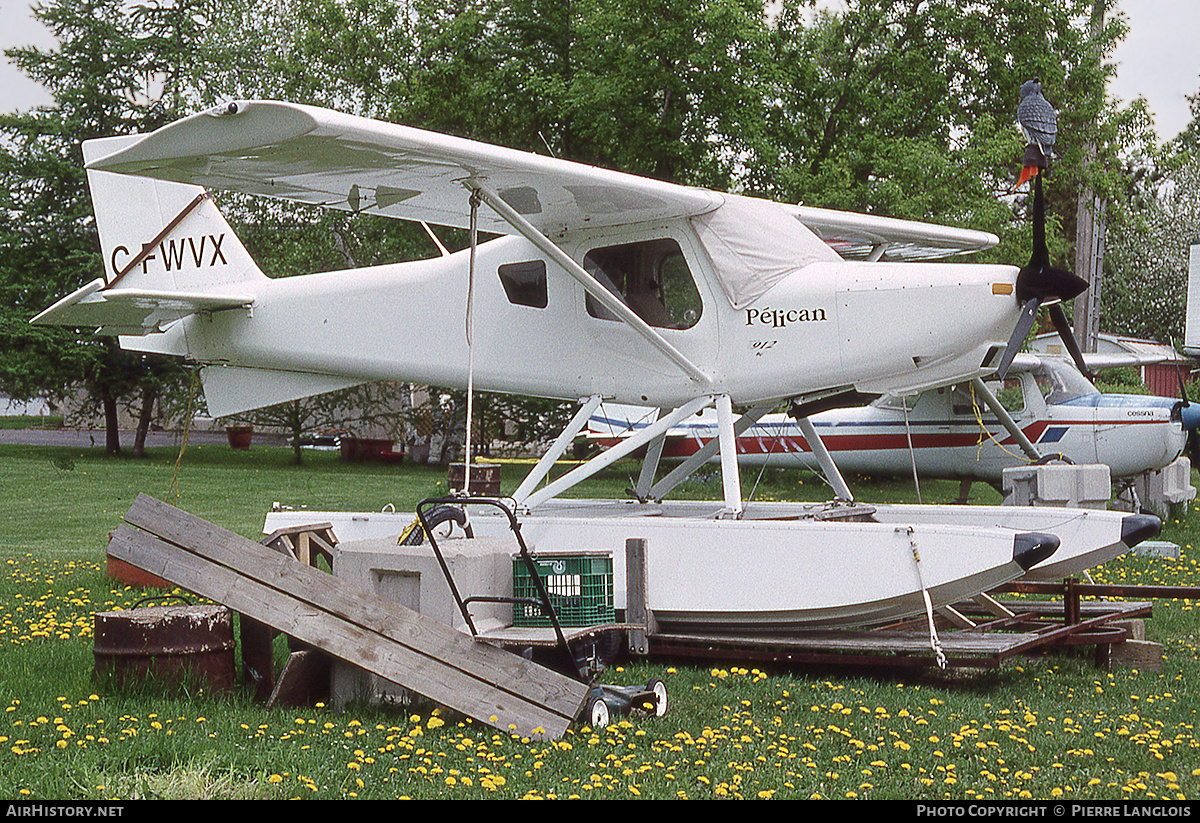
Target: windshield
pixel 1059 381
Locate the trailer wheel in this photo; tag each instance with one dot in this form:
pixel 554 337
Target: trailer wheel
pixel 597 712
pixel 440 515
pixel 659 688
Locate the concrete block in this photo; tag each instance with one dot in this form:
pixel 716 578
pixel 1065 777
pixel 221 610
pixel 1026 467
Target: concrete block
pixel 1158 491
pixel 412 577
pixel 1158 548
pixel 1058 484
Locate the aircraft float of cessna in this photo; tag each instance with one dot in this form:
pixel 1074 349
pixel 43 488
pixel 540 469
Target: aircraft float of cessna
pixel 603 287
pixel 1044 409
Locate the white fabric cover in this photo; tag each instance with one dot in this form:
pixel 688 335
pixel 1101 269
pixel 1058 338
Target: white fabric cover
pixel 754 244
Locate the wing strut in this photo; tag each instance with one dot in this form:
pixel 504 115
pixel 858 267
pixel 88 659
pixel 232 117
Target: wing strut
pixel 688 467
pixel 611 455
pixel 1006 419
pixel 593 287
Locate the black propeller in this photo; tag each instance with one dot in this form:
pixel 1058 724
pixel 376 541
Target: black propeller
pixel 1039 282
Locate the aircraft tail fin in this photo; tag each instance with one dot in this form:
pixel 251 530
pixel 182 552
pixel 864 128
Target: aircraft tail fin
pixel 167 252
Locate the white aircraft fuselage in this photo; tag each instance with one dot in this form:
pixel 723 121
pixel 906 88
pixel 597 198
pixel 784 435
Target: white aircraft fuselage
pixel 408 322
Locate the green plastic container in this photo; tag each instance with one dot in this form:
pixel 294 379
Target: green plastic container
pixel 580 589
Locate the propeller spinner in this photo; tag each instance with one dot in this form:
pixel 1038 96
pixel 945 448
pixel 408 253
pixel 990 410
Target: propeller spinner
pixel 1039 282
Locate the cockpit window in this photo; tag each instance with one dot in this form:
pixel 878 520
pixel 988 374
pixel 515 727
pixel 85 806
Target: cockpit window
pixel 1059 382
pixel 652 278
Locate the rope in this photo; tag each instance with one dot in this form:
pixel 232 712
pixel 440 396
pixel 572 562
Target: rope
pixel 470 323
pixel 934 641
pixel 990 435
pixel 912 455
pixel 187 427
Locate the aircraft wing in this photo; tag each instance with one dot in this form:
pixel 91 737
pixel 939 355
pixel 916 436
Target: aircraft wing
pixel 310 155
pixel 1117 351
pixel 865 236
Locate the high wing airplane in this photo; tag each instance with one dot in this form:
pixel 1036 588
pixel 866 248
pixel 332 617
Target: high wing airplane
pixel 953 432
pixel 603 286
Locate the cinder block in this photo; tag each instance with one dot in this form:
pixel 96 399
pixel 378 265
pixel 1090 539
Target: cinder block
pixel 1158 548
pixel 1086 486
pixel 1158 491
pixel 412 577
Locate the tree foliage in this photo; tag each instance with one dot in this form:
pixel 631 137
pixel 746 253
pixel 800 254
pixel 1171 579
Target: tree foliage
pixel 1146 283
pixel 116 69
pixel 372 406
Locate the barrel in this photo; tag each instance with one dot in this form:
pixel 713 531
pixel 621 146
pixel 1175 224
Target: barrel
pixel 485 478
pixel 169 645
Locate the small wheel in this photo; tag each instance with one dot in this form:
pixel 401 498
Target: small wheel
pixel 441 522
pixel 597 712
pixel 660 696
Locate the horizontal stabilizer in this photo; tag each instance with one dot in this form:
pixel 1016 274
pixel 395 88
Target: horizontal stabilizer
pixel 233 389
pixel 132 311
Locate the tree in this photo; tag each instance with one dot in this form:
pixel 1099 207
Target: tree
pixel 117 69
pixel 874 114
pixel 1148 251
pixel 860 109
pixel 371 405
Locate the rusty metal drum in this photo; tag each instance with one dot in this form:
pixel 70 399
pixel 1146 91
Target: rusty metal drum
pixel 485 478
pixel 170 645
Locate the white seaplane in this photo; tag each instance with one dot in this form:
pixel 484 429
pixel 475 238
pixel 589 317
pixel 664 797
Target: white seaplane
pixel 603 287
pixel 1044 409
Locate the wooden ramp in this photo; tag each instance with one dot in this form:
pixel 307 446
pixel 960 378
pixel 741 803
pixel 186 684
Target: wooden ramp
pixel 486 683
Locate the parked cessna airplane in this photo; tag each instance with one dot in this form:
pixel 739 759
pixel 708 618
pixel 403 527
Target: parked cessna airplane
pixel 604 286
pixel 953 432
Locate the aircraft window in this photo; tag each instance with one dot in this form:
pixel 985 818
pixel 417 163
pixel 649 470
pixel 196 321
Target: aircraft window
pixel 1060 383
pixel 525 283
pixel 651 278
pixel 1010 395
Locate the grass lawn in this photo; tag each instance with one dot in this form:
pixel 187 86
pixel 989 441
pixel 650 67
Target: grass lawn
pixel 1045 727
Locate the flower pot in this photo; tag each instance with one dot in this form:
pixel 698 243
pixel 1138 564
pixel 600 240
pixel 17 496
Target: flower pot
pixel 239 436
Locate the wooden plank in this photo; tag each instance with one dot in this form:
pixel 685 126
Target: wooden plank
pixel 379 655
pixel 637 611
pixel 305 543
pixel 448 659
pixel 351 602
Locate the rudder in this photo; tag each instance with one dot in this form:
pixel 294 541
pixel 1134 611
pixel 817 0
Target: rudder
pixel 162 235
